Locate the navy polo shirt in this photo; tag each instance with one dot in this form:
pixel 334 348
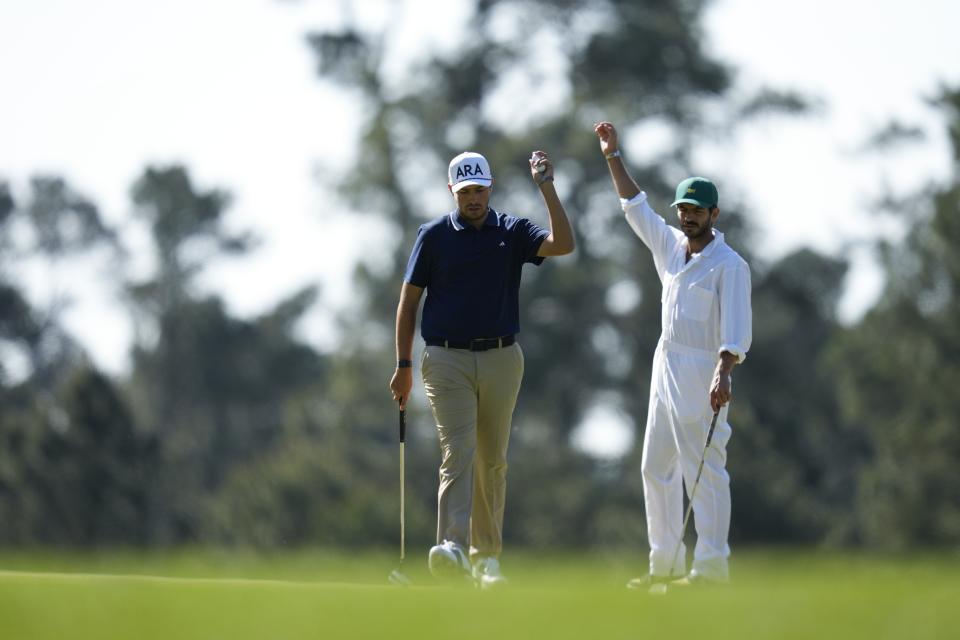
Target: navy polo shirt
pixel 472 276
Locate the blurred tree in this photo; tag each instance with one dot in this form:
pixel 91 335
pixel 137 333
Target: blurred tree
pixel 55 224
pixel 63 220
pixel 590 321
pixel 186 227
pixel 69 455
pixel 208 387
pixel 793 465
pixel 73 469
pixel 897 373
pixel 234 430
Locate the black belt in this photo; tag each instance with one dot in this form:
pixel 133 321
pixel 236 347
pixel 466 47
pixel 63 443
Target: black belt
pixel 477 344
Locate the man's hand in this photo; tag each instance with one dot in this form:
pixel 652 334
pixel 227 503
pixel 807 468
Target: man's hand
pixel 720 389
pixel 401 384
pixel 541 168
pixel 608 137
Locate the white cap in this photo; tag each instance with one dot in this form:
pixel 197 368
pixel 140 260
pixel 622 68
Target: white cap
pixel 469 168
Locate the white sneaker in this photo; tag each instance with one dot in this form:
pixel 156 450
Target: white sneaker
pixel 448 560
pixel 486 573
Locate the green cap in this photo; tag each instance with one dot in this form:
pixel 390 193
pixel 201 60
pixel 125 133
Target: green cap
pixel 699 191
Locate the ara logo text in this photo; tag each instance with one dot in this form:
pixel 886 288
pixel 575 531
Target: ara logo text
pixel 467 171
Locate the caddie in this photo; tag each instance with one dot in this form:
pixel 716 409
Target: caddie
pixel 469 263
pixel 706 331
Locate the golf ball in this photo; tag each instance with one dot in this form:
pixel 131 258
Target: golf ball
pixel 658 589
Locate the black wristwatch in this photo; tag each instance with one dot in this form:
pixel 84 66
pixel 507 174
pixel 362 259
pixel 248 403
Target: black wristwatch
pixel 404 364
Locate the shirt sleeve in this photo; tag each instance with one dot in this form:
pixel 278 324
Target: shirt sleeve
pixel 736 315
pixel 420 263
pixel 652 229
pixel 530 237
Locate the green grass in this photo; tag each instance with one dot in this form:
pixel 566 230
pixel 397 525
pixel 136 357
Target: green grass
pixel 195 594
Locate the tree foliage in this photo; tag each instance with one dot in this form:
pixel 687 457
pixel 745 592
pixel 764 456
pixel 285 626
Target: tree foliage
pixel 897 371
pixel 234 430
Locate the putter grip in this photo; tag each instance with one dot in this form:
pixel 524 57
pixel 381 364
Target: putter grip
pixel 403 425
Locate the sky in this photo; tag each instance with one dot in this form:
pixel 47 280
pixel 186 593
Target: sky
pixel 96 90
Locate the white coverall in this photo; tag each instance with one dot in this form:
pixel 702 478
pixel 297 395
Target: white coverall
pixel 705 311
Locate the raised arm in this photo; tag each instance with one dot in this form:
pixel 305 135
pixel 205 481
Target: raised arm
pixel 660 238
pixel 560 241
pixel 610 146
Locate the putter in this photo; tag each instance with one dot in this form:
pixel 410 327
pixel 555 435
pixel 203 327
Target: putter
pixel 397 576
pixel 662 587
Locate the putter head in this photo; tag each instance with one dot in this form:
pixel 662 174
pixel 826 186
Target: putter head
pixel 399 579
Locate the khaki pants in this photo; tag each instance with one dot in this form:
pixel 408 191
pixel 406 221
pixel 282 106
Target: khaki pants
pixel 472 395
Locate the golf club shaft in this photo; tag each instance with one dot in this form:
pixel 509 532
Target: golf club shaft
pixel 403 433
pixel 693 490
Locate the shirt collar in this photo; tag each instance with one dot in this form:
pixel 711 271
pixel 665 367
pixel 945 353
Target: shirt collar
pixel 459 224
pixel 710 248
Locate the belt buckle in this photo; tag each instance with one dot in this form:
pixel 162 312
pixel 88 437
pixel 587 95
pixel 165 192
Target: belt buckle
pixel 478 344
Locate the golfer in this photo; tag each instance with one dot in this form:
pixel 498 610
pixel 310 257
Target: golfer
pixel 706 332
pixel 469 262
